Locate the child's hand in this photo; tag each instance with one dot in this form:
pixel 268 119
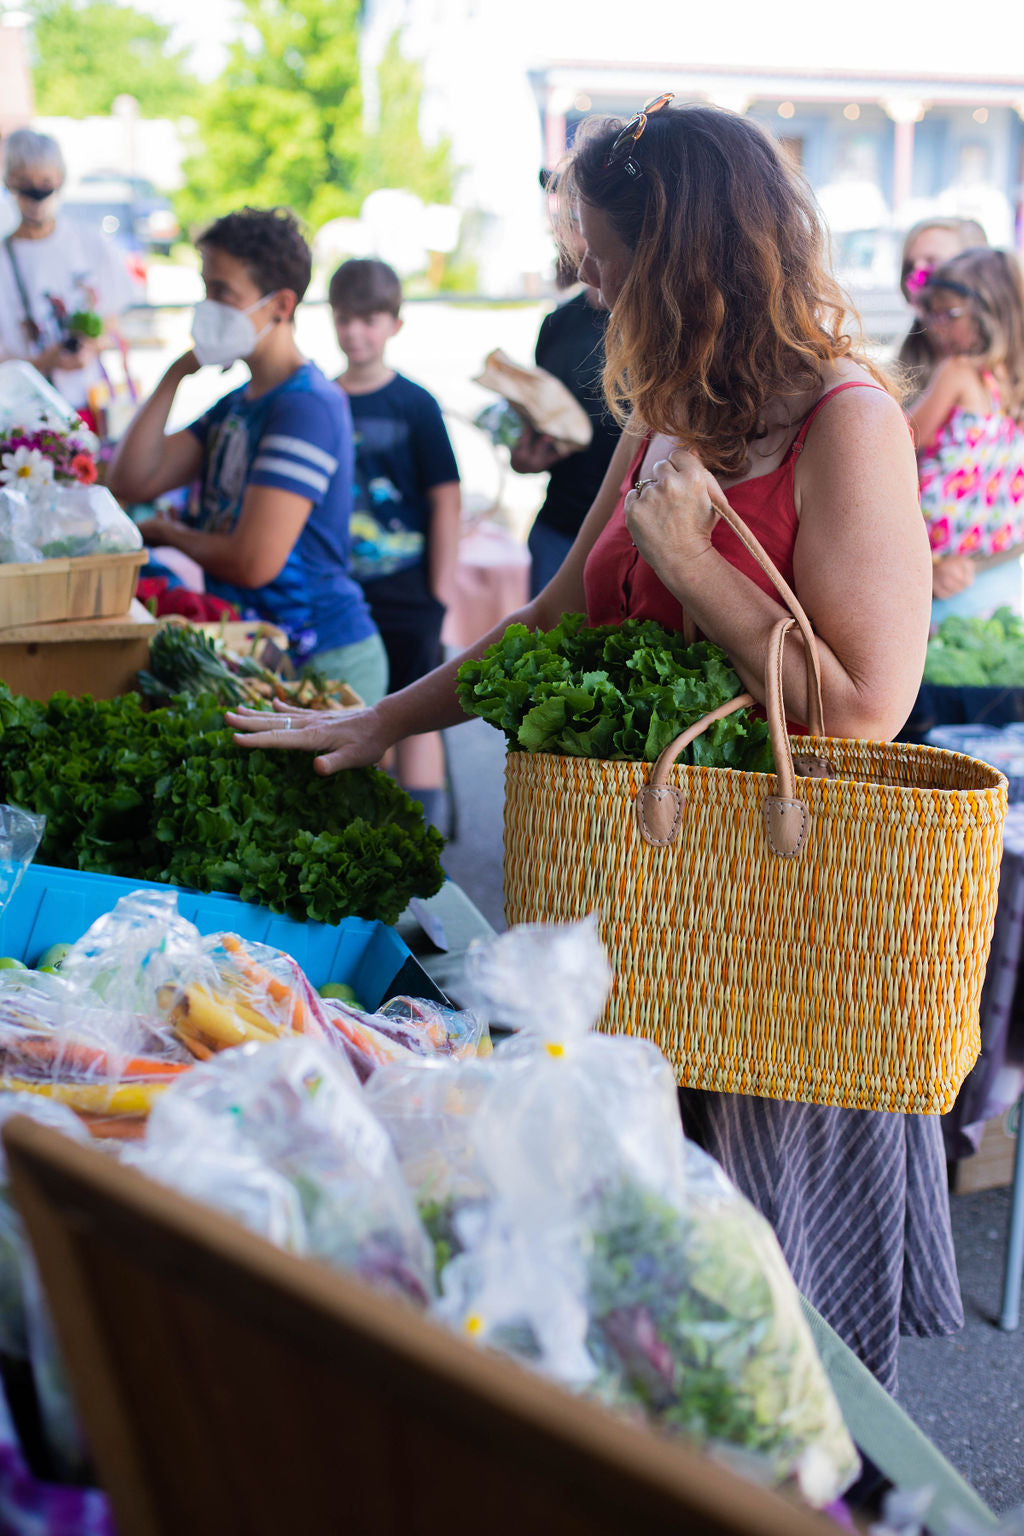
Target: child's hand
pixel 952 575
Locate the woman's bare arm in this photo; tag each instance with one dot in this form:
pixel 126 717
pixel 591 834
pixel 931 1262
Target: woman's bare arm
pixel 353 739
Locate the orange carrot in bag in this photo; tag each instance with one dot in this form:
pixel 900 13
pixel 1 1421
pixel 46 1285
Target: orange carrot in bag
pixel 298 1015
pixel 79 1056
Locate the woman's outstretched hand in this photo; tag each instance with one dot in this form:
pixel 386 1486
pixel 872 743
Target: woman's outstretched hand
pixel 340 738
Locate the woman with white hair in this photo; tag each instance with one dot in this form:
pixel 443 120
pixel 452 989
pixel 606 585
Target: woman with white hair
pixel 51 267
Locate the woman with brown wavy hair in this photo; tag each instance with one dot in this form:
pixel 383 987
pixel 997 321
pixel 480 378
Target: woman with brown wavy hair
pixel 726 358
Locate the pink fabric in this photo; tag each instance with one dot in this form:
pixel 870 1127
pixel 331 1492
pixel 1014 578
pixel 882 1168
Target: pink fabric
pixel 972 482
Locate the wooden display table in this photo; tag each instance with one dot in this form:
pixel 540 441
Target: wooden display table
pixel 96 656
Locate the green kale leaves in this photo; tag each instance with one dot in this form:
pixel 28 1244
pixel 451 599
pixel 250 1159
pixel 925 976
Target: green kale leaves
pixel 613 692
pixel 165 794
pixel 977 653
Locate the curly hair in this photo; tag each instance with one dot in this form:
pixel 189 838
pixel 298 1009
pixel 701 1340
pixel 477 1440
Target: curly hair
pixel 729 300
pixel 270 242
pixel 991 283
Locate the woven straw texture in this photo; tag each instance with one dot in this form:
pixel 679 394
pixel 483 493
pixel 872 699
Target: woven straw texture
pixel 848 975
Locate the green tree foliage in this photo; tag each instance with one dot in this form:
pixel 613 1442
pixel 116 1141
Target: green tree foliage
pixel 283 124
pixel 84 55
pixel 395 154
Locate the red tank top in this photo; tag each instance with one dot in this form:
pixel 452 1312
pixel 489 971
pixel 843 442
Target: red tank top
pixel 619 584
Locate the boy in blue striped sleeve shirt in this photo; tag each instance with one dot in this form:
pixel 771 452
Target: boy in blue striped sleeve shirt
pixel 274 459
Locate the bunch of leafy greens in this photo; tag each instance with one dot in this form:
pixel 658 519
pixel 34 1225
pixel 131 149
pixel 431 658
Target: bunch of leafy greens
pixel 167 795
pixel 614 692
pixel 977 653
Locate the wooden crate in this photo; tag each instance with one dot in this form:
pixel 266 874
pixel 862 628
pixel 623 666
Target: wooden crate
pixel 87 587
pixel 230 1389
pixel 991 1167
pixel 78 656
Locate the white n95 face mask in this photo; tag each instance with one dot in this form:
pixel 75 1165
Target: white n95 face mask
pixel 222 334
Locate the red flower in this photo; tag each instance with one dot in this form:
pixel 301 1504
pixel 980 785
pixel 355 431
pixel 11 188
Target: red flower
pixel 83 467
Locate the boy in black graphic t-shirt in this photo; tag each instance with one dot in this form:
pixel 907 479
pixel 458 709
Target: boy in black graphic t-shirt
pixel 406 510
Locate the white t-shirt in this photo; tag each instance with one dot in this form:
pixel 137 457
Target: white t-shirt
pixel 75 264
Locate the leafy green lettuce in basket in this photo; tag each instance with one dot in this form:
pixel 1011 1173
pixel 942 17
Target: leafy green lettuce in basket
pixel 614 692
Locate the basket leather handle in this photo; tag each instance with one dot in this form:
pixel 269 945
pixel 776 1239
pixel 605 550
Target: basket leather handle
pixel 815 714
pixel 659 805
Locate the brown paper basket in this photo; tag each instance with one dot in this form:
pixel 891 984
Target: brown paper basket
pixel 86 587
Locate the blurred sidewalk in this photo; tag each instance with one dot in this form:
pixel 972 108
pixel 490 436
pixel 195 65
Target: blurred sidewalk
pixel 965 1392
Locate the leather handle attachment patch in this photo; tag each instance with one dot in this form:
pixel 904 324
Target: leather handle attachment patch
pixel 659 812
pixel 786 823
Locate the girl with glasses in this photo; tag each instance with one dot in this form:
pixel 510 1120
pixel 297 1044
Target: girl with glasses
pixel 926 246
pixel 727 360
pixel 969 439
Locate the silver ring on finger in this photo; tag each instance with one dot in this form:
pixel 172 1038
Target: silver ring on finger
pixel 287 723
pixel 641 486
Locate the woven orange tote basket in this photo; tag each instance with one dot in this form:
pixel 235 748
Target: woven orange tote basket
pixel 818 934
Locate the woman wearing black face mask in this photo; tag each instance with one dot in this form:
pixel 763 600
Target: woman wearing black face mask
pixel 49 268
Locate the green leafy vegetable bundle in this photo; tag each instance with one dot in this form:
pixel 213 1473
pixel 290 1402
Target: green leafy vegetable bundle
pixel 614 692
pixel 977 653
pixel 167 795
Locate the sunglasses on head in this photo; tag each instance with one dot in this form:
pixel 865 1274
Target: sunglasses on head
pixel 621 152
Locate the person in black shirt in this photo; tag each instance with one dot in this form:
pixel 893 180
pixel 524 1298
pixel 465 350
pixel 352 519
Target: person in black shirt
pixel 570 344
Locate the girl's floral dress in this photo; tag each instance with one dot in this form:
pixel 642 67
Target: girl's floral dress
pixel 972 482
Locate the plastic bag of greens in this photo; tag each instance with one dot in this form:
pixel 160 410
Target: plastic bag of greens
pixel 663 1279
pixel 429 1111
pixel 296 1108
pixel 81 520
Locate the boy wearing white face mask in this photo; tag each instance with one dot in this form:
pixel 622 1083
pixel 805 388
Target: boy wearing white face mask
pixel 274 458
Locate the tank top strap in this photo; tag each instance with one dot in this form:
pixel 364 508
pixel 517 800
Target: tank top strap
pixel 989 381
pixel 837 389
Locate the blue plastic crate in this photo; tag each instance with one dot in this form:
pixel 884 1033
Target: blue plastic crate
pixel 54 906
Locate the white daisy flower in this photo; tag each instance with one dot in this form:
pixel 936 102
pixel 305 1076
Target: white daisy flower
pixel 26 469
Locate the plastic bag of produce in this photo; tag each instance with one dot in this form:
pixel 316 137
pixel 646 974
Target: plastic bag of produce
pixel 403 1031
pixel 16 545
pixel 206 994
pixel 295 1107
pixel 612 1253
pixel 80 520
pixel 73 1049
pixel 29 400
pixel 21 832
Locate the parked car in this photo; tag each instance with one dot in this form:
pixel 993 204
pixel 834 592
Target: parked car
pixel 126 206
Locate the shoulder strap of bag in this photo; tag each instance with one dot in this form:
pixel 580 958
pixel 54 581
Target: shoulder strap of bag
pixel 659 805
pixel 32 330
pixel 814 707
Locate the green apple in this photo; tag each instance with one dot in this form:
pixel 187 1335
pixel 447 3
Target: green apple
pixel 8 963
pixel 342 991
pixel 53 958
pixel 47 970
